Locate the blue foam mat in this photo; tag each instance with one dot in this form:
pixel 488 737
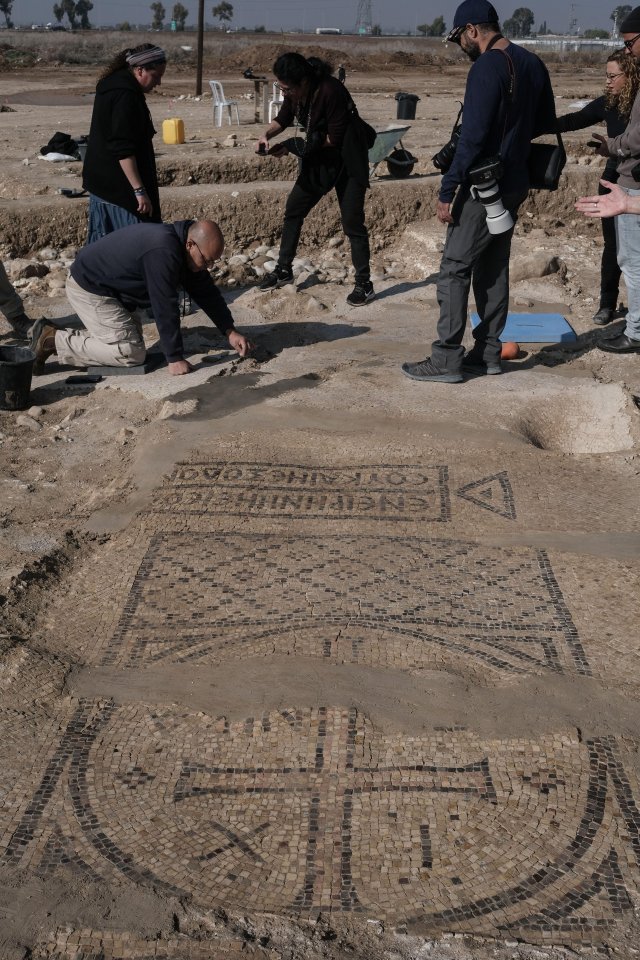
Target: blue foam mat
pixel 534 328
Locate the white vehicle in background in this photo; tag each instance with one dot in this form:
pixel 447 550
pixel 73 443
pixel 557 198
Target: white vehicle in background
pixel 330 30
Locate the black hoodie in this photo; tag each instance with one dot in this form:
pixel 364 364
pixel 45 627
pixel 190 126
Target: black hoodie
pixel 121 127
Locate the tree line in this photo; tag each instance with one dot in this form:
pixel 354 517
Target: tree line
pixel 77 14
pixel 520 24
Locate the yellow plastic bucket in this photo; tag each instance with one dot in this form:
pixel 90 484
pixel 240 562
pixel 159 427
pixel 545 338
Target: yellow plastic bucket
pixel 173 130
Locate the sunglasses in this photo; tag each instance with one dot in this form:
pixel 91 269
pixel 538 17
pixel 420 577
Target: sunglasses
pixel 455 35
pixel 629 43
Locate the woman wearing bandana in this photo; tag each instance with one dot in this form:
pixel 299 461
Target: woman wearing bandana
pixel 120 166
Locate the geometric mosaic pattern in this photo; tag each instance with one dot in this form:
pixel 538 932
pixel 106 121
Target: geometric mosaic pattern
pixel 406 603
pixel 303 811
pixel 491 493
pixel 306 810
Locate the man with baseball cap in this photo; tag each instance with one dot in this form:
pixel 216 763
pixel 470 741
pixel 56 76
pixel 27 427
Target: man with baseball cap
pixel 508 102
pixel 626 148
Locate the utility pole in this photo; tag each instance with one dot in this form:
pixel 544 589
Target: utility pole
pixel 573 23
pixel 200 48
pixel 364 18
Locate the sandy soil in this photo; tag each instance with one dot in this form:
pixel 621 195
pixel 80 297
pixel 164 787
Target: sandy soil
pixel 83 470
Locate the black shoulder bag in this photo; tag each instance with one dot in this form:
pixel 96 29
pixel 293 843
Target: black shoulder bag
pixel 364 130
pixel 358 139
pixel 546 160
pixel 546 163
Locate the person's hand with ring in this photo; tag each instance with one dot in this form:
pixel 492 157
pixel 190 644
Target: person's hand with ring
pixel 610 204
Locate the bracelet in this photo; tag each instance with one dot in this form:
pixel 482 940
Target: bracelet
pixel 139 191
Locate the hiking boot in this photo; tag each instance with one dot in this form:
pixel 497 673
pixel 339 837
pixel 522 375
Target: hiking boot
pixel 471 363
pixel 603 316
pixel 43 344
pixel 426 370
pixel 21 327
pixel 362 293
pixel 279 277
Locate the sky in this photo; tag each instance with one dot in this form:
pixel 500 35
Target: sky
pixel 392 15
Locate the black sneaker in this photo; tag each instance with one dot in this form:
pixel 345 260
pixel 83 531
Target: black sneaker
pixel 279 277
pixel 426 370
pixel 473 364
pixel 362 293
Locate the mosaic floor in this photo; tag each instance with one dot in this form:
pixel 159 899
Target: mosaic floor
pixel 306 809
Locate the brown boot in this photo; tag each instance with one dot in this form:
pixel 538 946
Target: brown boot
pixel 43 344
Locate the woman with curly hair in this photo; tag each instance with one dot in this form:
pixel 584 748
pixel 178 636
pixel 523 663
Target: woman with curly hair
pixel 614 108
pixel 120 165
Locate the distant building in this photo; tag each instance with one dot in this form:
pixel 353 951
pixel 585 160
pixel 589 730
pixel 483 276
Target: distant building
pixel 566 44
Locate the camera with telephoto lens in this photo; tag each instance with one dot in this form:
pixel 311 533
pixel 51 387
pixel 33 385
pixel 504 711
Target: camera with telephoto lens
pixel 443 159
pixel 484 177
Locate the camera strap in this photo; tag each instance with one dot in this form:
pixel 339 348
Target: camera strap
pixel 493 41
pixel 511 89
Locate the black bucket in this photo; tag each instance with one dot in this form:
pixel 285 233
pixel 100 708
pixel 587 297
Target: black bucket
pixel 16 368
pixel 400 163
pixel 406 106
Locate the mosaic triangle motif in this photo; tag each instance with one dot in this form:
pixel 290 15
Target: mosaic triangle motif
pixel 492 493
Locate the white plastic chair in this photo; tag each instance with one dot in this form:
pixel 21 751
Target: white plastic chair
pixel 220 102
pixel 276 102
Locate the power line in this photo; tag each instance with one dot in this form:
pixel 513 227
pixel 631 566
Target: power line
pixel 364 24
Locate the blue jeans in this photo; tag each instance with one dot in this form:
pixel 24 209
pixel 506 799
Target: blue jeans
pixel 628 239
pixel 106 217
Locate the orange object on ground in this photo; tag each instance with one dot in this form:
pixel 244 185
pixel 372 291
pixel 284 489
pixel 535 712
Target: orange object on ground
pixel 510 350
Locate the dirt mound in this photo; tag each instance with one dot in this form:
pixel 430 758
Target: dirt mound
pixel 13 59
pixel 404 59
pixel 261 56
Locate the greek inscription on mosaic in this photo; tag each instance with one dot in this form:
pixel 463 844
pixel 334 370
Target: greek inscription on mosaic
pixel 375 493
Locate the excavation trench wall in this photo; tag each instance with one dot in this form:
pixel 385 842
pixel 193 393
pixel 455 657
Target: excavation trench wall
pixel 251 212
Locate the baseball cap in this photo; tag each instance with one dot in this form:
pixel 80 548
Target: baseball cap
pixel 471 11
pixel 630 22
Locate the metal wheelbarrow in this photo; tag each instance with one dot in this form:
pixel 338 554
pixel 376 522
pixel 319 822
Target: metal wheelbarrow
pixel 400 162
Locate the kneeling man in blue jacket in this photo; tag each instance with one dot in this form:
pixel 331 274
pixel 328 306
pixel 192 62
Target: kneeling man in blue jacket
pixel 146 263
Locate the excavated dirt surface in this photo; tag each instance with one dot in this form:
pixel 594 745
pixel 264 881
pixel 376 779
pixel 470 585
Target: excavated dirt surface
pixel 300 658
